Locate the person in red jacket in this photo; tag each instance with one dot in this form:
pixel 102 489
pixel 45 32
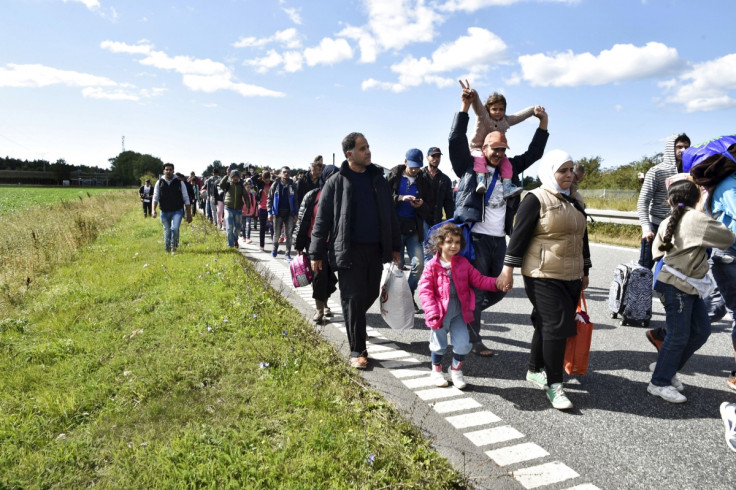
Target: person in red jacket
pixel 449 300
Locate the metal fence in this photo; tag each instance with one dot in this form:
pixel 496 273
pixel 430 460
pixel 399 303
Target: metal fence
pixel 609 193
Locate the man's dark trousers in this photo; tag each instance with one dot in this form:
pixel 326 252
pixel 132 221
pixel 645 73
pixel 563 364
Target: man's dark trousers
pixel 359 287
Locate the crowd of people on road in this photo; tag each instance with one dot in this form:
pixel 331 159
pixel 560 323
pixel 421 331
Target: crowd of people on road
pixel 352 219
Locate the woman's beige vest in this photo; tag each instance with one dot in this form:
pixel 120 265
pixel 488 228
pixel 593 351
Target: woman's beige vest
pixel 556 248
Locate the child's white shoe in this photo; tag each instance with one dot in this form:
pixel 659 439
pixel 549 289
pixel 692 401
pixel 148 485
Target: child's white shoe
pixel 509 189
pixel 458 381
pixel 437 377
pixel 481 187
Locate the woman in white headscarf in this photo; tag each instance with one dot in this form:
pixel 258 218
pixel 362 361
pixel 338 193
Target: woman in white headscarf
pixel 550 244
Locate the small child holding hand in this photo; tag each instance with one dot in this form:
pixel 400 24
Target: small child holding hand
pixel 449 300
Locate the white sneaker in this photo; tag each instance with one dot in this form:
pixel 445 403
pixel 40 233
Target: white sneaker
pixel 438 378
pixel 458 381
pixel 728 414
pixel 668 393
pixel 557 396
pixel 675 381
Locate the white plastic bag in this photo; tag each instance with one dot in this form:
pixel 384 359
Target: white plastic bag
pixel 397 306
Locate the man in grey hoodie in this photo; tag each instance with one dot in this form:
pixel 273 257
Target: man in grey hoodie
pixel 652 205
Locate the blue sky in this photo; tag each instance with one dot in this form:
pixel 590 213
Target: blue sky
pixel 276 82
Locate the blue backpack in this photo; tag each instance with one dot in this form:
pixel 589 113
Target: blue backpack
pixel 696 154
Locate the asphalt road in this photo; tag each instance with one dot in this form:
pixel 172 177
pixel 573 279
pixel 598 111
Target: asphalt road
pixel 501 432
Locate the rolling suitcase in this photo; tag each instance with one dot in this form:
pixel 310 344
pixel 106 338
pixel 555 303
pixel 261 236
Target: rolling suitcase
pixel 630 294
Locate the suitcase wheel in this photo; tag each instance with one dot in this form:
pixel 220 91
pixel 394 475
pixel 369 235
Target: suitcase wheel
pixel 624 322
pixel 614 315
pixel 645 324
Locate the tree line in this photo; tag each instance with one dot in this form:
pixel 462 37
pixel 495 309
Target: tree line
pixel 130 168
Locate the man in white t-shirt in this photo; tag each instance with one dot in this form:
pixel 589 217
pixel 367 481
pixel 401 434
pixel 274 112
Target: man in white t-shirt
pixel 491 214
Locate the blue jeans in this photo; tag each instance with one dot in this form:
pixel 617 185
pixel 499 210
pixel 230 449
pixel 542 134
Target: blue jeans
pixel 413 246
pixel 489 254
pixel 233 220
pixel 724 272
pixel 208 210
pixel 453 324
pixel 645 253
pixel 171 221
pixel 688 328
pixel 247 227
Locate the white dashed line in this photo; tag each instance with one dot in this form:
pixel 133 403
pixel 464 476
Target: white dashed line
pixel 544 474
pixel 493 436
pixel 408 373
pixel 394 364
pixel 456 405
pixel 386 355
pixel 437 393
pixel 516 454
pixel 473 419
pixel 415 383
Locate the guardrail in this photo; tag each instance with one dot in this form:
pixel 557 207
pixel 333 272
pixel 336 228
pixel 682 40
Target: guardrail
pixel 610 216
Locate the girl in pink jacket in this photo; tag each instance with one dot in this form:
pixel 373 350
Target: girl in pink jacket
pixel 448 300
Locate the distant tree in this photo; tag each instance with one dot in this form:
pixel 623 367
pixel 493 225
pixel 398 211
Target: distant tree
pixel 128 166
pixel 61 170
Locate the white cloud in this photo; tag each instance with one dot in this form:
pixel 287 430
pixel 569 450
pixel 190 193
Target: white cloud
pixel 288 38
pixel 90 4
pixel 43 76
pixel 101 93
pixel 329 52
pixel 197 74
pixel 392 25
pixel 93 86
pixel 293 61
pixel 293 15
pixel 621 62
pixel 473 5
pixel 474 52
pixel 367 43
pixel 706 87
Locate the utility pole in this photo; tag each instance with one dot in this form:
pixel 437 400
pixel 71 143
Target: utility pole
pixel 123 143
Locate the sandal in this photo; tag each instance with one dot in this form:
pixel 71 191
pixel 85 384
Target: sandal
pixel 359 362
pixel 328 312
pixel 481 350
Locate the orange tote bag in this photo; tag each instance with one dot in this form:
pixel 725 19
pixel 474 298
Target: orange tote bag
pixel 577 349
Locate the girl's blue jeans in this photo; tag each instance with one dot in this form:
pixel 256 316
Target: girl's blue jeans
pixel 688 328
pixel 454 325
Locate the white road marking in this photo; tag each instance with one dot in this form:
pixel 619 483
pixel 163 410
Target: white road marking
pixel 405 362
pixel 415 383
pixel 544 474
pixel 437 393
pixel 456 405
pixel 393 354
pixel 473 419
pixel 408 373
pixel 516 454
pixel 493 436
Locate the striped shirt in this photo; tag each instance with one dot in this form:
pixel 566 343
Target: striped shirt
pixel 652 205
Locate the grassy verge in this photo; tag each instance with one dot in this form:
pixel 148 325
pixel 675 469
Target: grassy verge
pixel 614 234
pixel 131 368
pixel 36 240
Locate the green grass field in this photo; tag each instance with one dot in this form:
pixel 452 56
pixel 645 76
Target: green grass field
pixel 126 367
pixel 15 198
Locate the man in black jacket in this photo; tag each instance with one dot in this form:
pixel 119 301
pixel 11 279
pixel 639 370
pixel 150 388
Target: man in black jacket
pixel 309 181
pixel 491 214
pixel 443 198
pixel 357 229
pixel 412 194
